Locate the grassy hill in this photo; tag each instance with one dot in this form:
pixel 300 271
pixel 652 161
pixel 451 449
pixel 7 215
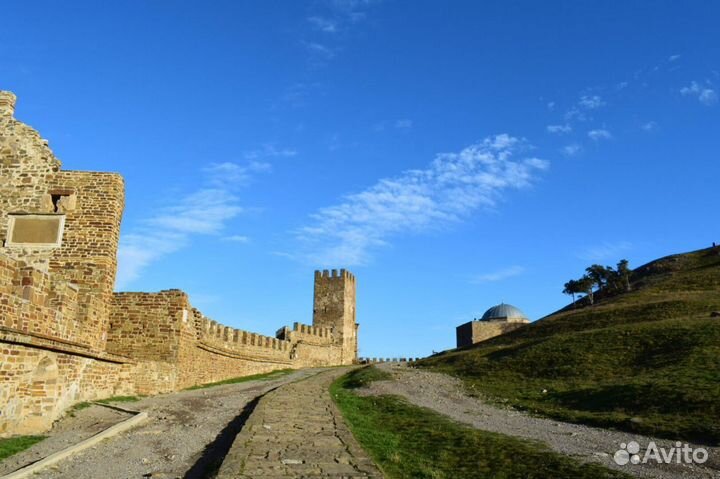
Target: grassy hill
pixel 647 360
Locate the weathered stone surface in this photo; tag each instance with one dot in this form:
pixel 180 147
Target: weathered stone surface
pixel 297 431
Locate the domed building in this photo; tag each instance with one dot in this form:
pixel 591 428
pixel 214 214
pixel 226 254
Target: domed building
pixel 504 312
pixel 497 320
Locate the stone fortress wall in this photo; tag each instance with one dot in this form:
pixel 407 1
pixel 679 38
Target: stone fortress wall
pixel 66 337
pixel 476 331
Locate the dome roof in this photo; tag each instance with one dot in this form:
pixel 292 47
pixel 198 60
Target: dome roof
pixel 503 311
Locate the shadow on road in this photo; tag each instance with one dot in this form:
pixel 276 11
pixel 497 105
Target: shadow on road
pixel 208 465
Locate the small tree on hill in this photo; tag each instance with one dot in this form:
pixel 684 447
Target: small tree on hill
pixel 572 288
pixel 600 275
pixel 605 278
pixel 586 285
pixel 623 274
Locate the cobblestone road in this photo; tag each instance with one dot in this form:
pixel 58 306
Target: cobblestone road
pixel 297 431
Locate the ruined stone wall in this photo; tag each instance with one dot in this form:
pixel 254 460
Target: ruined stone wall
pixel 26 166
pixel 87 207
pixel 334 307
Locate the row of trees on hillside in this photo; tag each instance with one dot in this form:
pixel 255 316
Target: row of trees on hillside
pixel 598 277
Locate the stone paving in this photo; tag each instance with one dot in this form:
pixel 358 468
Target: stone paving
pixel 297 431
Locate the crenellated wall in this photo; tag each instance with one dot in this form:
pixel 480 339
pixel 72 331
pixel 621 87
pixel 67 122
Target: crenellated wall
pixel 164 327
pixel 311 334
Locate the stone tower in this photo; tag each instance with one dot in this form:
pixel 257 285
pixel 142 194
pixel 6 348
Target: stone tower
pixel 334 307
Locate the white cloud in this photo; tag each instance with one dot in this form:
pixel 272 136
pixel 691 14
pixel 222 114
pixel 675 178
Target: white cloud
pixel 708 97
pixel 499 275
pixel 559 129
pixel 201 212
pixel 649 126
pixel 606 251
pixel 599 134
pixel 571 150
pixel 137 251
pixel 227 174
pixel 673 58
pixel 575 114
pixel 705 95
pixel 333 17
pixel 324 24
pixel 449 189
pixel 591 102
pixel 319 50
pixel 204 212
pixel 585 104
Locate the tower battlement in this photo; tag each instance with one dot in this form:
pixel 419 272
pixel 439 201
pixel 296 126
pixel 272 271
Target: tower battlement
pixel 334 274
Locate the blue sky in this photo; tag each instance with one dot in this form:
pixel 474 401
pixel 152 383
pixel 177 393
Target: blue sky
pixel 451 154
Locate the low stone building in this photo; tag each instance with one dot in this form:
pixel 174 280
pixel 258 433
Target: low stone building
pixel 66 336
pixel 497 320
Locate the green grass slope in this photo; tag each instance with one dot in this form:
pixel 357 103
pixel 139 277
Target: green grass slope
pixel 410 442
pixel 644 361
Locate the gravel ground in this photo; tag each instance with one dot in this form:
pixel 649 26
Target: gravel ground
pixel 72 429
pixel 185 432
pixel 445 395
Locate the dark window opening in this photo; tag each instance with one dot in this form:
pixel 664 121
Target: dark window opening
pixel 55 200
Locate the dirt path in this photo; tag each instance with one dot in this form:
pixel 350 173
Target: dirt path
pixel 187 434
pixel 445 395
pixel 297 431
